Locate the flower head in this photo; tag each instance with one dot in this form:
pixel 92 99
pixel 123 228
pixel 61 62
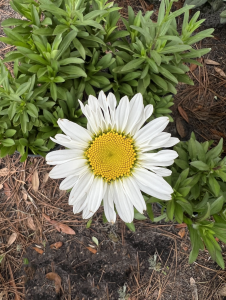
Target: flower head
pixel 111 159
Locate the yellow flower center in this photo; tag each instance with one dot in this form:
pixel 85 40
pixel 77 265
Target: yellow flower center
pixel 111 155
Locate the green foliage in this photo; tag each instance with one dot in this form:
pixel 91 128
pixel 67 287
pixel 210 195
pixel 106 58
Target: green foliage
pixel 199 199
pixel 216 5
pixel 68 49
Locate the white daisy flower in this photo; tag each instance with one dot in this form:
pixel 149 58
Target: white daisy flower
pixel 110 161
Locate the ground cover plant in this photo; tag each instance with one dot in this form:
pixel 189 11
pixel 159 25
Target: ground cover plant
pixel 72 49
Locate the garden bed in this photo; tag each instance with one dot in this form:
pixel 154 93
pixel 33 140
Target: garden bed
pixel 151 263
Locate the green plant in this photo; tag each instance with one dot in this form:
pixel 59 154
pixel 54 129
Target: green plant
pixel 215 4
pixel 199 200
pixel 67 50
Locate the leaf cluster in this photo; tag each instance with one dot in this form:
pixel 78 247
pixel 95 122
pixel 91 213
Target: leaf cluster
pixel 199 199
pixel 67 50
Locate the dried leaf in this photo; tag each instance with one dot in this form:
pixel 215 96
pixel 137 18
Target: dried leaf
pixel 12 239
pixel 55 277
pixel 56 245
pixel 30 223
pixel 66 229
pixel 180 127
pixel 183 114
pixel 211 62
pixel 1 186
pixel 193 67
pixel 220 72
pixel 6 189
pixel 59 226
pixel 4 172
pixel 185 248
pixel 182 225
pixel 40 251
pixel 94 251
pixel 35 181
pixel 214 131
pixel 45 178
pixel 181 233
pixel 24 195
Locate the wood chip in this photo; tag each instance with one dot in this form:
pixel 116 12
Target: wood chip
pixel 222 291
pixel 94 251
pixel 35 181
pixel 180 127
pixel 183 114
pixel 4 172
pixel 220 72
pixel 216 132
pixel 193 67
pixel 45 178
pixel 40 251
pixel 182 225
pixel 181 233
pixel 6 189
pixel 12 239
pixel 55 277
pixel 1 186
pixel 194 289
pixel 56 245
pixel 31 224
pixel 211 62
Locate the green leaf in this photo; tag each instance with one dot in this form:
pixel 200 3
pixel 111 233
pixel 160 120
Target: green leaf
pixel 216 151
pixel 8 142
pixel 66 43
pixel 131 226
pixel 206 215
pixel 54 10
pixel 170 209
pixel 23 88
pixel 37 58
pixel 175 49
pixel 217 205
pixel 159 81
pixel 59 29
pixel 23 121
pixel 10 132
pixel 38 142
pixel 53 91
pixel 150 211
pixel 23 142
pixel 200 165
pixel 79 47
pixel 73 70
pixel 157 57
pixel 12 110
pixel 14 22
pixel 71 60
pixel 132 65
pixel 89 223
pixel 214 185
pixel 139 216
pixel 185 205
pixel 181 163
pixel 32 110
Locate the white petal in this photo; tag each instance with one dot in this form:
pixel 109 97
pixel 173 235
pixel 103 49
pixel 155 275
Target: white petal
pixel 134 194
pixel 161 171
pixel 148 111
pixel 123 205
pixel 62 156
pixel 74 131
pixel 87 214
pixel 156 182
pixel 80 205
pixel 72 167
pixel 163 155
pixel 68 143
pixel 122 113
pixel 151 130
pixel 109 205
pixel 93 103
pixel 135 112
pixel 104 105
pixel 95 194
pixel 171 142
pixel 156 142
pixel 81 188
pixel 148 190
pixel 112 102
pixel 146 164
pixel 68 182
